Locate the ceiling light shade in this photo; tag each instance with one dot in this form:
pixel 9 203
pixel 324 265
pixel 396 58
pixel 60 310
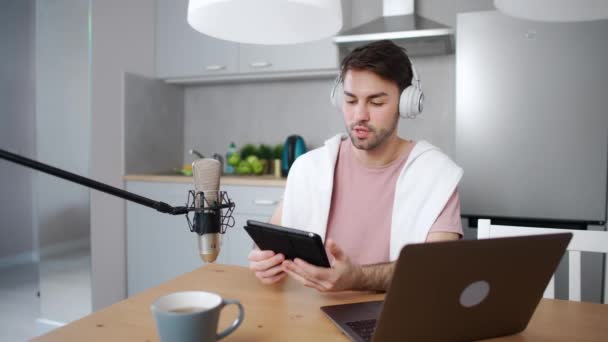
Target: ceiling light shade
pixel 554 10
pixel 266 21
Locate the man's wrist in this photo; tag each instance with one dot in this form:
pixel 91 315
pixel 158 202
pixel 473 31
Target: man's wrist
pixel 358 278
pixel 373 277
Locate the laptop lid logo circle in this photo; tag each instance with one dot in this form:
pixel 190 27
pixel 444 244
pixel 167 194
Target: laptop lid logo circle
pixel 474 293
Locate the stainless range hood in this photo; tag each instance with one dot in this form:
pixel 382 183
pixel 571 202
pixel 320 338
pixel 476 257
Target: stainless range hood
pixel 399 23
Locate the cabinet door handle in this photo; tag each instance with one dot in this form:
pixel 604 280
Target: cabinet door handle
pixel 260 64
pixel 215 67
pixel 265 202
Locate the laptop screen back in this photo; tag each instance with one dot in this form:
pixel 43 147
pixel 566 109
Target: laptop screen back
pixel 468 290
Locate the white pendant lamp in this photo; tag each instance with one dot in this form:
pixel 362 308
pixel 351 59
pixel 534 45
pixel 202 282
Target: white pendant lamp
pixel 554 10
pixel 266 21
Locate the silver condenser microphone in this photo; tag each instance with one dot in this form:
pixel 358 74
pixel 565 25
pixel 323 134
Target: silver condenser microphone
pixel 206 173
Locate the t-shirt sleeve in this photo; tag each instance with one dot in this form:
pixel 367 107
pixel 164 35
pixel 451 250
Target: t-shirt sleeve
pixel 449 218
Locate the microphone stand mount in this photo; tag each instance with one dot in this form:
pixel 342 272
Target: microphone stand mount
pixel 93 184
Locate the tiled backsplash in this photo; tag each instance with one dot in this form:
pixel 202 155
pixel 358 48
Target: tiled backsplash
pixel 258 112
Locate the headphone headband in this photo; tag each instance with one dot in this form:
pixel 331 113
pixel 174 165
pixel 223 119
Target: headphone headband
pixel 410 100
pixel 415 78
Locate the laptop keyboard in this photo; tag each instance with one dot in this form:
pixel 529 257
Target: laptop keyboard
pixel 365 329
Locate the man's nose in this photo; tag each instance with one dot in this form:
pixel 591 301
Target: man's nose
pixel 361 112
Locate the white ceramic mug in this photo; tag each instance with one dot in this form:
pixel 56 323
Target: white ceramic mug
pixel 192 316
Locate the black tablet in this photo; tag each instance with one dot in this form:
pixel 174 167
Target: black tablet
pixel 292 243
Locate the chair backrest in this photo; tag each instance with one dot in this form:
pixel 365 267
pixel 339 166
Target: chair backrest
pixel 582 241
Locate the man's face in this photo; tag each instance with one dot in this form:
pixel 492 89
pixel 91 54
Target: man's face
pixel 370 108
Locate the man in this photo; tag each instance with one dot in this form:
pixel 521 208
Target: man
pixel 368 193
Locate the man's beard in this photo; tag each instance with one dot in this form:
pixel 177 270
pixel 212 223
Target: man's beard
pixel 378 137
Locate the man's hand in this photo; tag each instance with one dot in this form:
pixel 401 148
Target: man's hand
pixel 266 265
pixel 342 275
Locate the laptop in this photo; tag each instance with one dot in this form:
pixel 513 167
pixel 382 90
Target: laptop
pixel 457 291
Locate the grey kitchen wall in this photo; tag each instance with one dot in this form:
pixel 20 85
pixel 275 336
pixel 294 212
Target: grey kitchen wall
pixel 122 41
pixel 154 125
pixel 267 112
pixel 17 133
pixel 63 120
pixel 258 112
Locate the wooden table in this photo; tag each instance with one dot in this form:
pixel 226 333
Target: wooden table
pixel 290 312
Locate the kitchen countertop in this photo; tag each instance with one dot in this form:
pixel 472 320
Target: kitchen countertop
pixel 265 180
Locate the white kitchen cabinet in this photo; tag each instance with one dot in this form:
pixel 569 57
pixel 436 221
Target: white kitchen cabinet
pixel 251 203
pixel 237 242
pixel 318 55
pixel 161 247
pixel 184 55
pixel 182 51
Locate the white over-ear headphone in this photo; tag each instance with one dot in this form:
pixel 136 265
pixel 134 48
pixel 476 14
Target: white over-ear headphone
pixel 410 101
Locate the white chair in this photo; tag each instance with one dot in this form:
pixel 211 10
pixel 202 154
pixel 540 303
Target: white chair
pixel 582 241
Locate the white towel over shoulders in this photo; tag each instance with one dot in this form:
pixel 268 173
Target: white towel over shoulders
pixel 424 186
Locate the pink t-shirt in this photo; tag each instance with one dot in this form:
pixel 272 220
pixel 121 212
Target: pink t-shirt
pixel 362 206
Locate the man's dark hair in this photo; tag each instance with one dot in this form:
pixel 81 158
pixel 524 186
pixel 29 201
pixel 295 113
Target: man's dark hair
pixel 384 58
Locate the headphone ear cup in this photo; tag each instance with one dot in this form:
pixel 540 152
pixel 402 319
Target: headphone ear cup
pixel 411 102
pixel 337 92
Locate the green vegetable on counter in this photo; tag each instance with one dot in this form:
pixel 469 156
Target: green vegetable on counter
pixel 244 168
pixel 257 166
pixel 252 159
pixel 277 152
pixel 234 159
pixel 184 172
pixel 264 152
pixel 248 150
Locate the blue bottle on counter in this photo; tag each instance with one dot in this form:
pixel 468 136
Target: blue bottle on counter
pixel 229 169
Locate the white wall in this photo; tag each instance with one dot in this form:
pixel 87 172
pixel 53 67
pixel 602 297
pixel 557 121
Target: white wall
pixel 63 140
pixel 17 134
pixel 62 119
pixel 123 41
